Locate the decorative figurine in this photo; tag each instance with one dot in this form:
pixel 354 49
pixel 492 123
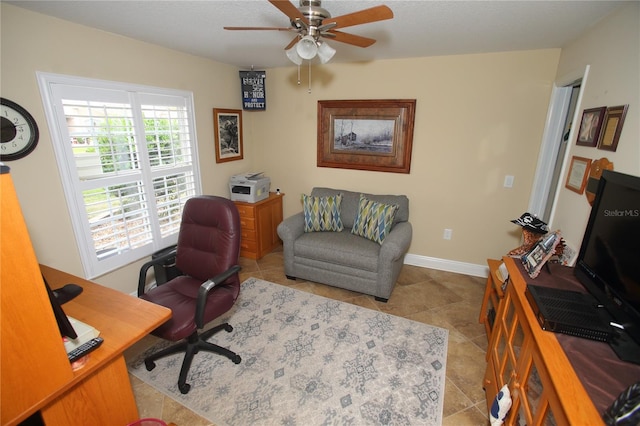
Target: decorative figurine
pixel 532 230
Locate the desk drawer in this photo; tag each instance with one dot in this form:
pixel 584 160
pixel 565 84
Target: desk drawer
pixel 248 234
pixel 246 211
pixel 248 246
pixel 247 224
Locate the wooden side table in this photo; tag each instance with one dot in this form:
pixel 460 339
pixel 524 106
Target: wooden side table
pixel 259 222
pixel 493 293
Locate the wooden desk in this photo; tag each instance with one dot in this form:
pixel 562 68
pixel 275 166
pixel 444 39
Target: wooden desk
pixel 35 373
pixel 100 392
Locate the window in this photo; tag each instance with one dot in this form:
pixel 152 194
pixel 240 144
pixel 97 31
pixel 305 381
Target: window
pixel 128 160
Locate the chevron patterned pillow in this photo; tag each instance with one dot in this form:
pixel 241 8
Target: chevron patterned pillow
pixel 374 219
pixel 322 213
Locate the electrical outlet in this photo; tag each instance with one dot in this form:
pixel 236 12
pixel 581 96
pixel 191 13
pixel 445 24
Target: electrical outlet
pixel 447 234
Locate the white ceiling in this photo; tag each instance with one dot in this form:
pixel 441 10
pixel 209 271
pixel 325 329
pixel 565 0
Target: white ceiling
pixel 419 28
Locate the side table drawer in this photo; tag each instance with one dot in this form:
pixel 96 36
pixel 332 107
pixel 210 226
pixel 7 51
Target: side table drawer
pixel 248 234
pixel 246 211
pixel 247 246
pixel 247 223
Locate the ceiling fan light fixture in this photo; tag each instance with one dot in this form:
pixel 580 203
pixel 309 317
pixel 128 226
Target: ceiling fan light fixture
pixel 325 52
pixel 307 47
pixel 293 56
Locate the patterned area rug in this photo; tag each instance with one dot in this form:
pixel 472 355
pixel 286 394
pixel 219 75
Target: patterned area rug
pixel 309 360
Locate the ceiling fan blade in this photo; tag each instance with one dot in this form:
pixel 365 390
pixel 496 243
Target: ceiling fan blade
pixel 374 14
pixel 286 7
pixel 292 43
pixel 257 28
pixel 353 39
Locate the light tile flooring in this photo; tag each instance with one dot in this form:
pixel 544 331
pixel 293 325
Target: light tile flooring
pixel 443 299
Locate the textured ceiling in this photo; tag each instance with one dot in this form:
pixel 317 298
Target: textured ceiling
pixel 419 28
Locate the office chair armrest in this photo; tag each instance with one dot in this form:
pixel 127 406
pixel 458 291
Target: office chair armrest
pixel 206 287
pixel 142 279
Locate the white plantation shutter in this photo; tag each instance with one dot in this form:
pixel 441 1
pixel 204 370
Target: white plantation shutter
pixel 128 159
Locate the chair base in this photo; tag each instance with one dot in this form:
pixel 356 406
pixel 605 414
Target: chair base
pixel 191 346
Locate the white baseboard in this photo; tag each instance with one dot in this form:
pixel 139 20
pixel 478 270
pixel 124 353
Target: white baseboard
pixel 447 265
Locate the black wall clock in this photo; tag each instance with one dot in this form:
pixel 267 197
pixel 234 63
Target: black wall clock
pixel 19 131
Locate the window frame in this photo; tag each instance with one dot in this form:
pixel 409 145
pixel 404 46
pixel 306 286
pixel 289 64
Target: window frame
pixel 72 184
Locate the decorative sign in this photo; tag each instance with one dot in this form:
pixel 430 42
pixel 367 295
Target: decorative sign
pixel 253 90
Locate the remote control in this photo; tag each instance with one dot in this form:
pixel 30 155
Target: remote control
pixel 85 349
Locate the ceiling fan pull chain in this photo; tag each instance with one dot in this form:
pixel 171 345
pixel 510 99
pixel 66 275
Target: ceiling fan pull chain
pixel 298 74
pixel 309 77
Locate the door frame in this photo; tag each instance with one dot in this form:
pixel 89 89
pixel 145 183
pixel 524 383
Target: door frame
pixel 551 139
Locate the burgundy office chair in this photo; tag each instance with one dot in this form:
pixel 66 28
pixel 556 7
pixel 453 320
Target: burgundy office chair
pixel 207 255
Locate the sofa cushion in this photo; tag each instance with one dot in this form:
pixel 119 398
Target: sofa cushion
pixel 322 213
pixel 338 248
pixel 374 219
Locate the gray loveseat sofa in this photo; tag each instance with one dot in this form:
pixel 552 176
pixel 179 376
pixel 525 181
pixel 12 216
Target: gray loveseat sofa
pixel 345 260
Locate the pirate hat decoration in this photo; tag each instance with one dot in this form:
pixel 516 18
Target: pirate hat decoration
pixel 531 223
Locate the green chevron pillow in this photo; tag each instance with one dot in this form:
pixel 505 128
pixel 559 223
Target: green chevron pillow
pixel 322 213
pixel 374 219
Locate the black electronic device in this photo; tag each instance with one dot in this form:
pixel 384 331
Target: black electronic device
pixel 569 312
pixel 608 264
pixel 67 292
pixel 85 349
pixel 66 329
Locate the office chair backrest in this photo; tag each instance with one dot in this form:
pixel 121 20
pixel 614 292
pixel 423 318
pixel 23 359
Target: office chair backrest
pixel 209 239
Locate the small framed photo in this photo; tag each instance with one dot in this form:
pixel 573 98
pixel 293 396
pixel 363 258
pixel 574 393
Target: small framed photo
pixel 613 122
pixel 540 253
pixel 590 127
pixel 227 128
pixel 578 173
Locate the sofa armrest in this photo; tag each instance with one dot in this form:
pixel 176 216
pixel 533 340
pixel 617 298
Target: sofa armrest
pixel 292 227
pixel 396 244
pixel 289 230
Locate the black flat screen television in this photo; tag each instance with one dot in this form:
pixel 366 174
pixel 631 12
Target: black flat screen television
pixel 608 264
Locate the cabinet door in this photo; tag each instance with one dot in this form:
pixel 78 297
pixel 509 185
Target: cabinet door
pixel 34 362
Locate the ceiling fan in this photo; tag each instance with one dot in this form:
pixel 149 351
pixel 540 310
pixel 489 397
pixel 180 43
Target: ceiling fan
pixel 311 22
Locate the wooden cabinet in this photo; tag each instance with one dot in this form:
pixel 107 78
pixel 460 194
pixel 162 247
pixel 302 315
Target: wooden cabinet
pixel 259 222
pixel 493 293
pixel 544 386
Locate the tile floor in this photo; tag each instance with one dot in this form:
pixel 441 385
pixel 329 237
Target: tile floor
pixel 443 299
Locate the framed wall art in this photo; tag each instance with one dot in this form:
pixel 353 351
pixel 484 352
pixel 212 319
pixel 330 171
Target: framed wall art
pixel 590 126
pixel 613 122
pixel 375 135
pixel 227 129
pixel 578 172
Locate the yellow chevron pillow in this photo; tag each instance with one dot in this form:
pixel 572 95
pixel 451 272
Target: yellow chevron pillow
pixel 322 213
pixel 374 219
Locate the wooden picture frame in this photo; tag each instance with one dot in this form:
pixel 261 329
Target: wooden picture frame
pixel 591 126
pixel 375 135
pixel 227 129
pixel 613 122
pixel 578 172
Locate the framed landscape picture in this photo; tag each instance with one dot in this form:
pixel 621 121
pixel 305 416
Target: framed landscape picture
pixel 374 135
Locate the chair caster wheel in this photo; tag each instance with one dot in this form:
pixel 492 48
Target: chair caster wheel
pixel 228 328
pixel 184 389
pixel 236 359
pixel 150 365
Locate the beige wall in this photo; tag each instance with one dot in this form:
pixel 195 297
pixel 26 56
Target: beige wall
pixel 32 42
pixel 612 50
pixel 478 118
